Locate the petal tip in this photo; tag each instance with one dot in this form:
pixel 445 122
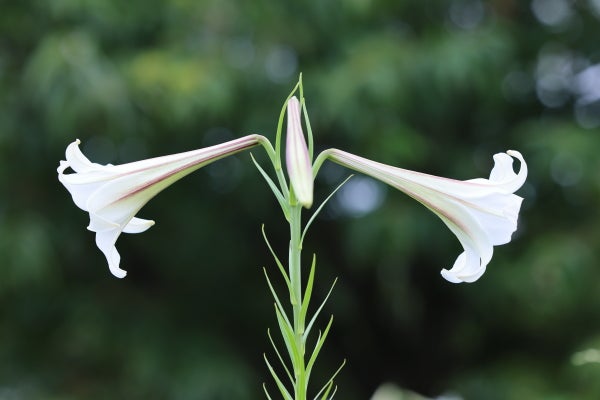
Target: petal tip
pixel 118 272
pixel 294 100
pixel 62 166
pixel 450 277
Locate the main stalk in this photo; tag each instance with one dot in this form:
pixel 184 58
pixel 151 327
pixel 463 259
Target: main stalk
pixel 295 273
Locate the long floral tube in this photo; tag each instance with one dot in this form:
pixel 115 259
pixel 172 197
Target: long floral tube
pixel 113 194
pixel 481 212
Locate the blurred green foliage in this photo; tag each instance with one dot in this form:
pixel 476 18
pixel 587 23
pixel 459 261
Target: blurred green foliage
pixel 438 86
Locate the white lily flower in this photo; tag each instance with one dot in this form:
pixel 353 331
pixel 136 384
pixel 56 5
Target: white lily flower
pixel 482 213
pixel 296 156
pixel 113 194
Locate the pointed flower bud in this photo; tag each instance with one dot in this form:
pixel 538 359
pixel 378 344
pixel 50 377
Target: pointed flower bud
pixel 113 194
pixel 482 213
pixel 296 156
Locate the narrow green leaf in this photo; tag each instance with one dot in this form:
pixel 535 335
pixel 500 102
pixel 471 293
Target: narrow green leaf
pixel 277 261
pixel 306 120
pixel 329 383
pixel 318 210
pixel 318 345
pixel 286 395
pixel 308 292
pixel 313 319
pixel 287 371
pixel 266 391
pixel 288 337
pixel 278 303
pixel 280 124
pixel 326 393
pixel 334 392
pixel 280 199
pixel 309 133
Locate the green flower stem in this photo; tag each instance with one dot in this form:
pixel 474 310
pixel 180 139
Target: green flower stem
pixel 295 274
pixel 320 160
pixel 294 328
pixel 276 161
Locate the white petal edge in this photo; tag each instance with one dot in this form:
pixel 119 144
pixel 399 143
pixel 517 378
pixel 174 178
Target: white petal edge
pixel 138 225
pixel 106 243
pixel 466 261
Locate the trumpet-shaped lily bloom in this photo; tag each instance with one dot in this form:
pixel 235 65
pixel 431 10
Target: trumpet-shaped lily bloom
pixel 482 213
pixel 113 194
pixel 296 156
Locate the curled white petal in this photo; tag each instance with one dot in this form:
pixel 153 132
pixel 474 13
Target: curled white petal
pixel 138 225
pixel 467 268
pixel 482 213
pixel 113 194
pixel 105 240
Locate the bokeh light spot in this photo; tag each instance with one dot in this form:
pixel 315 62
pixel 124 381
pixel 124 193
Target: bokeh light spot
pixel 281 64
pixel 566 169
pixel 466 14
pixel 551 12
pixel 360 196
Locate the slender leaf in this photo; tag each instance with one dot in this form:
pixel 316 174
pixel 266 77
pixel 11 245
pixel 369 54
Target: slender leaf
pixel 278 303
pixel 308 291
pixel 326 393
pixel 318 210
pixel 313 319
pixel 279 126
pixel 266 391
pixel 318 345
pixel 334 392
pixel 289 338
pixel 306 120
pixel 308 131
pixel 279 356
pixel 280 385
pixel 329 383
pixel 277 261
pixel 280 199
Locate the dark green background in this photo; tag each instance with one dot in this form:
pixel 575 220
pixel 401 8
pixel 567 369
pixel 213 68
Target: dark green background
pixel 436 86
